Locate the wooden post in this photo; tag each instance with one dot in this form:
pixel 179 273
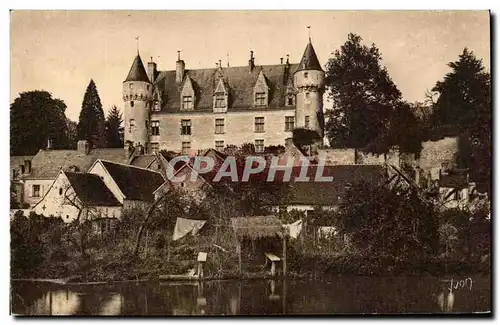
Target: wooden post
pixel 284 255
pixel 239 255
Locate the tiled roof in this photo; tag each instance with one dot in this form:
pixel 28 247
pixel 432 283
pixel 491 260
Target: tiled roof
pixel 135 183
pixel 239 80
pixel 329 193
pixel 46 164
pixel 143 161
pixel 137 71
pixel 91 189
pixel 309 59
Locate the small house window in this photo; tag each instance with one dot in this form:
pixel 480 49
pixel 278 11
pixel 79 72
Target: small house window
pixel 36 190
pixel 186 148
pixel 22 169
pixel 155 127
pixel 187 102
pixel 289 123
pixel 219 126
pixel 186 127
pixel 260 99
pixel 219 145
pixel 259 145
pixel 147 87
pixel 60 190
pixel 259 124
pixel 131 103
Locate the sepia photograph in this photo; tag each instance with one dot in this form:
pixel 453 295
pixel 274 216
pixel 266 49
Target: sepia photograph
pixel 250 162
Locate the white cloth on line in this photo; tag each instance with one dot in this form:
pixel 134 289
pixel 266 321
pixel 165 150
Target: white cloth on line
pixel 185 226
pixel 326 232
pixel 294 229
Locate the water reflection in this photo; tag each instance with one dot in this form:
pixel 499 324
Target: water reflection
pixel 341 295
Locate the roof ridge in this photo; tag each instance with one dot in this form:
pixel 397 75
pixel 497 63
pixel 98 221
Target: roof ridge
pixel 131 166
pixel 233 67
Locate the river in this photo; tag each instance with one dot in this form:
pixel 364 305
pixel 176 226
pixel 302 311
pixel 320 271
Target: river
pixel 338 295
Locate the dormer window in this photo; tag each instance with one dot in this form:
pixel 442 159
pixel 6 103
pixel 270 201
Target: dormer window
pixel 220 101
pixel 260 99
pixel 187 102
pixel 156 102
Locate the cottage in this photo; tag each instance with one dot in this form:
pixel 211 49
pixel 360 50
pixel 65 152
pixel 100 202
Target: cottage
pixel 81 196
pixel 133 187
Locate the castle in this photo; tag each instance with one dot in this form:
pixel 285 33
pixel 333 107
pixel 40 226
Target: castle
pixel 187 110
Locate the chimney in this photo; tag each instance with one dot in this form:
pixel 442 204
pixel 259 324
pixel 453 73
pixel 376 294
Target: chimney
pixel 251 62
pixel 179 69
pixel 83 147
pixel 49 144
pixel 286 73
pixel 152 70
pixel 220 64
pixel 281 60
pixel 27 166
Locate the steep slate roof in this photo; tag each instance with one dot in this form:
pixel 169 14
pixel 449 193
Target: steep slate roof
pixel 135 183
pixel 143 161
pixel 329 193
pixel 46 164
pixel 239 80
pixel 309 59
pixel 91 190
pixel 137 71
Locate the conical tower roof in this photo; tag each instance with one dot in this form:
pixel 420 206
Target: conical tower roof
pixel 137 71
pixel 309 59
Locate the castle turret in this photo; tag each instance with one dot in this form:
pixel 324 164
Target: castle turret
pixel 137 97
pixel 309 80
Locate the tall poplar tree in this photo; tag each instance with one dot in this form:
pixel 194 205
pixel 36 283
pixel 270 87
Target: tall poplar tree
pixel 91 124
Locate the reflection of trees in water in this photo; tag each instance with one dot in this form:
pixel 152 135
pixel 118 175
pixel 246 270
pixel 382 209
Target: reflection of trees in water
pixel 259 297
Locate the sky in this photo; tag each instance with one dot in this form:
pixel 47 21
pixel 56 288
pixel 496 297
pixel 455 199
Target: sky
pixel 60 51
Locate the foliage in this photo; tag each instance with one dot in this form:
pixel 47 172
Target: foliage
pixel 91 123
pixel 114 129
pixel 14 204
pixel 364 95
pixel 304 138
pixel 397 222
pixel 35 117
pixel 464 102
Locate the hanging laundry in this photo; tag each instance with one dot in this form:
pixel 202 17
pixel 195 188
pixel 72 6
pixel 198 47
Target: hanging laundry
pixel 294 229
pixel 326 232
pixel 185 226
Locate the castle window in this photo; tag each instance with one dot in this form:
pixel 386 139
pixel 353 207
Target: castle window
pixel 259 145
pixel 187 102
pixel 288 141
pixel 307 96
pixel 259 124
pixel 289 100
pixel 131 86
pixel 155 147
pixel 289 123
pixel 186 147
pixel 147 87
pixel 306 75
pixel 220 101
pixel 131 103
pixel 306 122
pixel 219 145
pixel 36 191
pixel 131 126
pixel 219 126
pixel 186 127
pixel 60 190
pixel 260 99
pixel 155 127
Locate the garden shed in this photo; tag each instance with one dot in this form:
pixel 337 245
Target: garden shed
pixel 261 239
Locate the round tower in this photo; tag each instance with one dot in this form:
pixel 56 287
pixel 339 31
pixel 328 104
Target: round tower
pixel 309 81
pixel 137 97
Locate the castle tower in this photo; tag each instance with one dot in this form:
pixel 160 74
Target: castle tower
pixel 309 80
pixel 137 97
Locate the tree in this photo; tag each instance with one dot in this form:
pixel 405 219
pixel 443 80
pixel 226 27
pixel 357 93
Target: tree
pixel 114 130
pixel 398 222
pixel 362 92
pixel 91 124
pixel 464 102
pixel 304 138
pixel 35 117
pixel 72 134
